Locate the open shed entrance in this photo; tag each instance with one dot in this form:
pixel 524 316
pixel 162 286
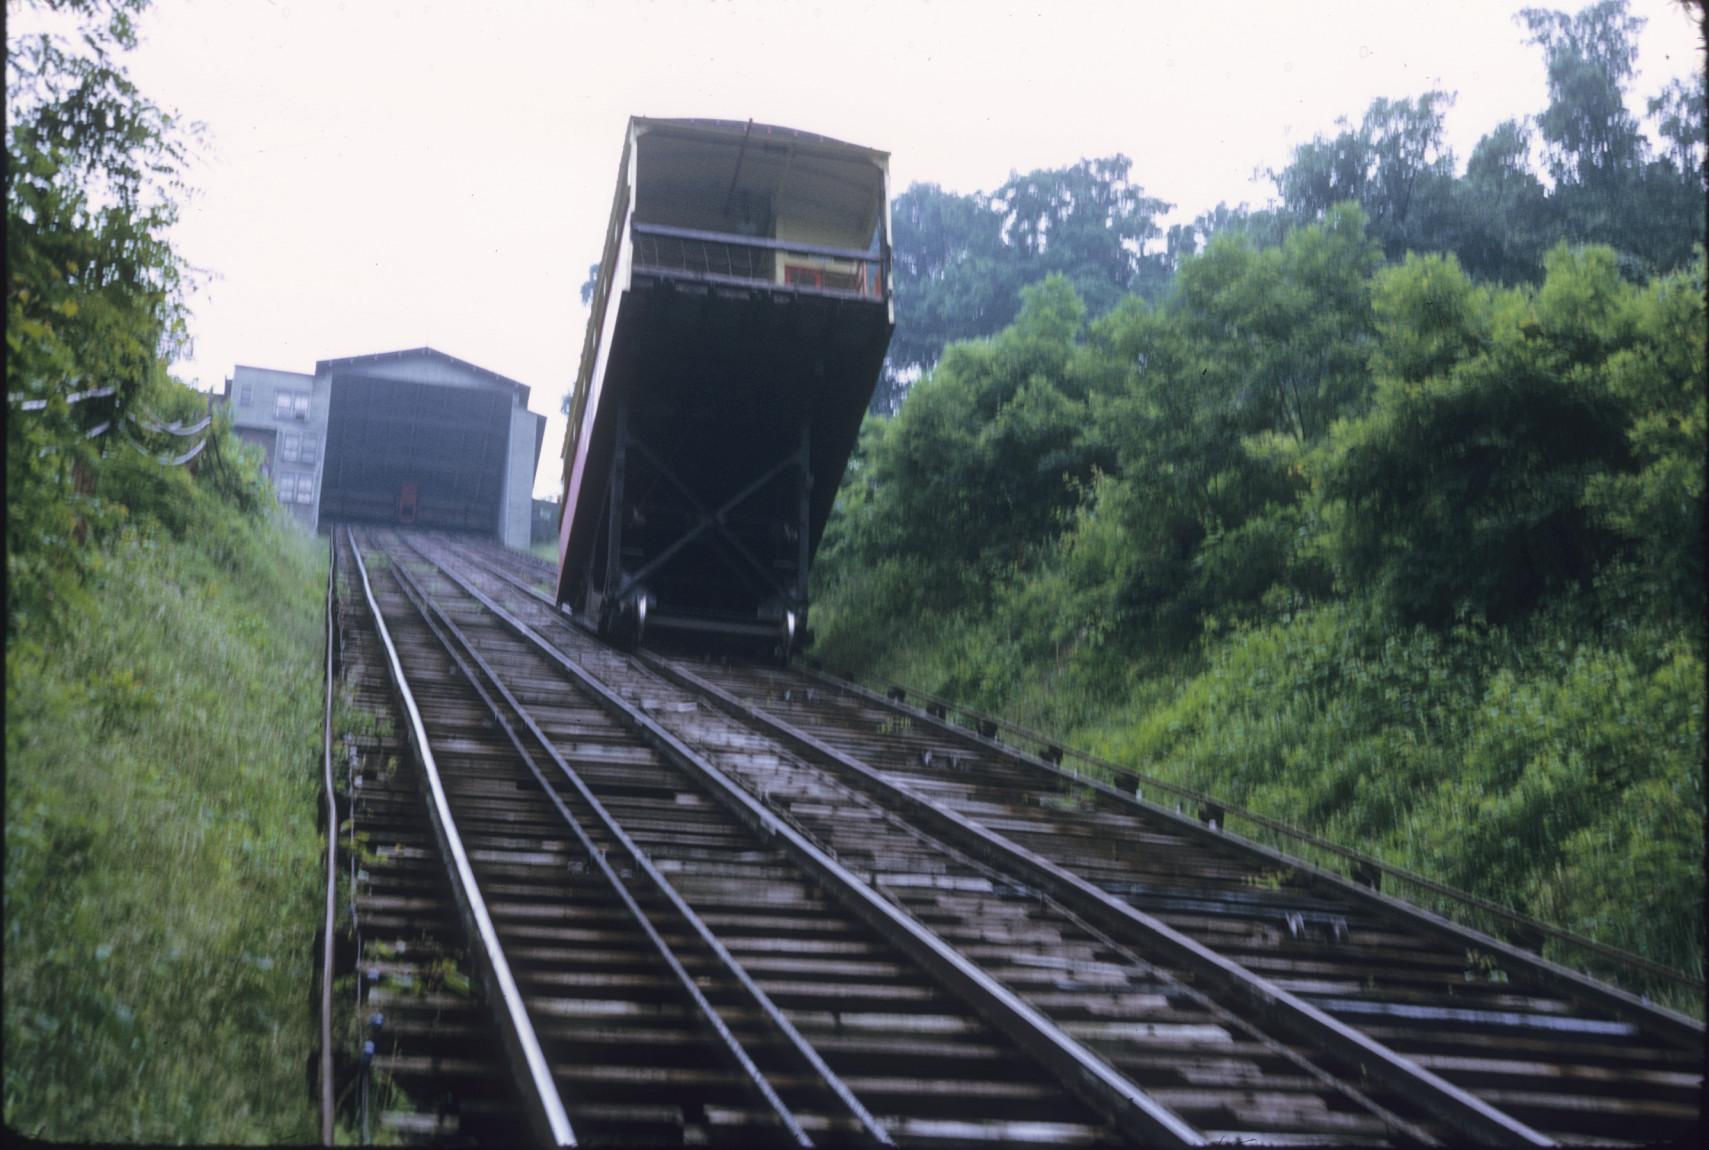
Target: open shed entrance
pixel 400 451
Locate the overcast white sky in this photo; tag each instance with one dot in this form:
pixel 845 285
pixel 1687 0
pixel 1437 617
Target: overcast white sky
pixel 384 175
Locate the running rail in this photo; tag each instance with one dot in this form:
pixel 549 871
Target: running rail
pixel 896 693
pixel 549 1114
pixel 1139 1116
pixel 445 630
pixel 661 883
pixel 328 1101
pixel 1462 1109
pixel 937 712
pixel 1678 1028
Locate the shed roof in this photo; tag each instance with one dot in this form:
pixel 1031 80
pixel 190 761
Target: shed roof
pixel 426 353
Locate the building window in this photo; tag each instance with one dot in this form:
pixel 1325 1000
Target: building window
pixel 311 446
pixel 245 394
pixel 288 404
pixel 295 487
pixel 289 447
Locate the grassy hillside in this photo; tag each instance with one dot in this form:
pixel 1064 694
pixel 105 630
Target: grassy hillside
pixel 162 856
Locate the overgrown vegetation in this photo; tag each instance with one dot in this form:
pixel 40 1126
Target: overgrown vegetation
pixel 162 855
pixel 162 659
pixel 1340 530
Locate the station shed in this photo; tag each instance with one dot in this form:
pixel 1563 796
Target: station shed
pixel 416 437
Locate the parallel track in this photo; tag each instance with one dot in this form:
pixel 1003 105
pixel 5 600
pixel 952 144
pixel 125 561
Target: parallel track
pixel 1563 1057
pixel 636 1057
pixel 438 1067
pixel 1268 987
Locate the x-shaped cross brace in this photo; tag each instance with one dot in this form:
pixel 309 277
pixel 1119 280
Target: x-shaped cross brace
pixel 713 520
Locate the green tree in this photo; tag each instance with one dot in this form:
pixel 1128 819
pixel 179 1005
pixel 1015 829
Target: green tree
pixel 1089 222
pixel 93 176
pixel 1592 139
pixel 1262 227
pixel 1505 213
pixel 1498 218
pixel 1198 409
pixel 960 262
pixel 1167 416
pixel 1394 165
pixel 1679 113
pixel 1664 211
pixel 980 462
pixel 950 280
pixel 1284 328
pixel 1607 189
pixel 95 295
pixel 1656 506
pixel 1462 489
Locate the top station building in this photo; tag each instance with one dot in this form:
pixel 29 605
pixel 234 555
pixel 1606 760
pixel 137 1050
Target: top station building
pixel 416 437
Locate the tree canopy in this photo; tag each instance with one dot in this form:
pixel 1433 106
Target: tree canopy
pixel 961 261
pixel 96 296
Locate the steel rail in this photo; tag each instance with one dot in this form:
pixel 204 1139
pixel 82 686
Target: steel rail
pixel 753 716
pixel 1614 954
pixel 1461 1109
pixel 547 1114
pixel 662 883
pixel 328 1100
pixel 1084 1073
pixel 446 627
pixel 1553 973
pixel 479 560
pixel 1408 1131
pixel 1677 1028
